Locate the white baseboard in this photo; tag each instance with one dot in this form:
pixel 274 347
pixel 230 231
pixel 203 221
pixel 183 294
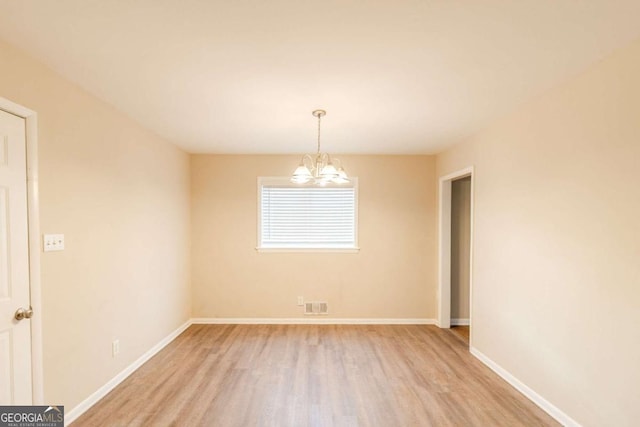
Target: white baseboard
pixel 313 320
pixel 544 404
pixel 460 322
pixel 111 384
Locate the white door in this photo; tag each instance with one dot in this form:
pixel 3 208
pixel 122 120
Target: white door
pixel 15 335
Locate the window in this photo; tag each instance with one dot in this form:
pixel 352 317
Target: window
pixel 301 217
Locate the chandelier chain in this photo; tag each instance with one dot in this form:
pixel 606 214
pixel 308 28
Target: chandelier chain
pixel 319 116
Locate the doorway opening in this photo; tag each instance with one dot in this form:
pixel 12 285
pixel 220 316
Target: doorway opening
pixel 455 251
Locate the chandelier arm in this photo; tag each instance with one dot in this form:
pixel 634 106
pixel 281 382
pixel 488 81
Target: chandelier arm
pixel 307 158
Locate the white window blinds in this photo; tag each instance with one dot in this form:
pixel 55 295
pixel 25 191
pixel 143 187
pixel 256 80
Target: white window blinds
pixel 307 217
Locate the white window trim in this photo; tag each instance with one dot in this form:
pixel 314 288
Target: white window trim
pixel 284 181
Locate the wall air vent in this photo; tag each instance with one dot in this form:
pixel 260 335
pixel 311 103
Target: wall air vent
pixel 317 307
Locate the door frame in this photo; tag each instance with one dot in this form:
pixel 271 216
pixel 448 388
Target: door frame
pixel 33 211
pixel 444 246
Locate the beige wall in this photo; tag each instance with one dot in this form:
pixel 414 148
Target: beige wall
pixel 556 291
pixel 393 275
pixel 120 195
pixel 460 247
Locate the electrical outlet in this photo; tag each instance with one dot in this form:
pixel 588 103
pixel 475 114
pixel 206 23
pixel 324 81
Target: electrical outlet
pixel 115 348
pixel 301 301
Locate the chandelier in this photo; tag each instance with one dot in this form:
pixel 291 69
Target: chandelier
pixel 319 168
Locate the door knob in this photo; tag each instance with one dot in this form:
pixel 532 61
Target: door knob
pixel 22 313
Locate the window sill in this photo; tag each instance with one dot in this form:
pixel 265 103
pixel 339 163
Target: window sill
pixel 309 250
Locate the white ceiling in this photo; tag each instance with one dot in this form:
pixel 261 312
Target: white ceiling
pixel 401 76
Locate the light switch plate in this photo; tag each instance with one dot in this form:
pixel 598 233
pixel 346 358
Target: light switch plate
pixel 53 242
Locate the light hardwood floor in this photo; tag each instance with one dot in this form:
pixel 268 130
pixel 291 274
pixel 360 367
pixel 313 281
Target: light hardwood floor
pixel 315 375
pixel 463 332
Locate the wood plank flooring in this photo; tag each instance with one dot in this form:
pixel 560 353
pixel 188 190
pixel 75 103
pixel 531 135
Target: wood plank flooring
pixel 314 375
pixel 463 332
